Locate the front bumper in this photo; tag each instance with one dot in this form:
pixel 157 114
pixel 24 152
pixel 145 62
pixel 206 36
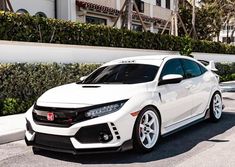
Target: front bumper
pixel 66 147
pixel 83 137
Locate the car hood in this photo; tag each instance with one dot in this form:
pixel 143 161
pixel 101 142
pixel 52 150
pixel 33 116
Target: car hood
pixel 79 95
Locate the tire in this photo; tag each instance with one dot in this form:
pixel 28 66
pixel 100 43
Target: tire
pixel 36 150
pixel 146 131
pixel 216 107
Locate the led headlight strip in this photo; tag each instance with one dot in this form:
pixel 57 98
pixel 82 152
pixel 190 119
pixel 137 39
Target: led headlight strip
pixel 104 110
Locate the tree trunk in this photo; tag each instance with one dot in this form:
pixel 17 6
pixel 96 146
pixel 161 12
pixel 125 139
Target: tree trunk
pixel 3 5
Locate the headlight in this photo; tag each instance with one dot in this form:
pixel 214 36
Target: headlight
pixel 104 110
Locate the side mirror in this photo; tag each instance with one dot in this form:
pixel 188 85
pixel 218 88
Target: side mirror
pixel 83 78
pixel 170 79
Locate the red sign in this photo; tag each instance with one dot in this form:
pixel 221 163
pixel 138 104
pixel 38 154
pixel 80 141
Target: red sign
pixel 50 116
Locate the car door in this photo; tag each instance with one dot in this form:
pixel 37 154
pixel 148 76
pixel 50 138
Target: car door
pixel 199 87
pixel 176 102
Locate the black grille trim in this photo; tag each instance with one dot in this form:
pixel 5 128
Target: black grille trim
pixel 53 141
pixel 64 117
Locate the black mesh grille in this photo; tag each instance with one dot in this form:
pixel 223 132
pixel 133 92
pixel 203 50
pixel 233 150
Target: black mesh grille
pixel 93 134
pixel 53 141
pixel 62 117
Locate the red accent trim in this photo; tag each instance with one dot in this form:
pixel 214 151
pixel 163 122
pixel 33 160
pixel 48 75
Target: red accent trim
pixel 96 7
pixel 134 114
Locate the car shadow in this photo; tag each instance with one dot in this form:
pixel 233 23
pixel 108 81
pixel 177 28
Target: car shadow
pixel 170 146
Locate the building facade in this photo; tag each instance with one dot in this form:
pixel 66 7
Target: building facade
pixel 44 8
pixel 61 9
pixel 227 33
pixel 155 13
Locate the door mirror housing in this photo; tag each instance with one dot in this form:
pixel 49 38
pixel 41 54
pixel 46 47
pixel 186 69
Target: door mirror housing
pixel 170 79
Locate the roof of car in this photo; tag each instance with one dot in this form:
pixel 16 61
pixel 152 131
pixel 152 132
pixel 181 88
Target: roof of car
pixel 149 59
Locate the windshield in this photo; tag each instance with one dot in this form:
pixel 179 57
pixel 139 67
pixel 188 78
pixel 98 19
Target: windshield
pixel 123 74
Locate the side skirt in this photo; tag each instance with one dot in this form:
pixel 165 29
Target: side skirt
pixel 207 115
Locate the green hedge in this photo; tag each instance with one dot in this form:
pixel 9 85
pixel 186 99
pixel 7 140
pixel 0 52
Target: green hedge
pixel 226 71
pixel 21 84
pixel 37 29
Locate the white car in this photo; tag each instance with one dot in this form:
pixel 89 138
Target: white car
pixel 124 104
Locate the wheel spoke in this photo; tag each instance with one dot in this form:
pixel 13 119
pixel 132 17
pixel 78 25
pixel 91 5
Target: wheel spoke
pixel 151 122
pixel 142 138
pixel 146 118
pixel 141 126
pixel 217 104
pixel 215 100
pixel 149 139
pixel 151 131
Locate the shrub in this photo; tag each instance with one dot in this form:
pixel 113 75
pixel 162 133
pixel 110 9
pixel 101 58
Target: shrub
pixel 9 106
pixel 23 27
pixel 21 84
pixel 226 71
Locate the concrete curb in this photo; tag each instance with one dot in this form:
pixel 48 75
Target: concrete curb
pixel 12 128
pixel 12 136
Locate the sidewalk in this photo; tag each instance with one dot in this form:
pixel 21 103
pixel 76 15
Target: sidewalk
pixel 12 128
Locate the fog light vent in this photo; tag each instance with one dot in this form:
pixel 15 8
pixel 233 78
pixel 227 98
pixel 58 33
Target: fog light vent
pixel 115 131
pixel 99 133
pixel 104 137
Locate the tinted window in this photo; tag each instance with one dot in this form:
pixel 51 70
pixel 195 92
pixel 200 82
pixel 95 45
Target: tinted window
pixel 191 68
pixel 203 69
pixel 96 20
pixel 172 67
pixel 123 74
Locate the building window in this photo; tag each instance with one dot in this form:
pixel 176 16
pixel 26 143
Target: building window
pixel 158 2
pixel 41 14
pixel 136 27
pixel 140 5
pixel 168 4
pixel 22 11
pixel 224 39
pixel 95 20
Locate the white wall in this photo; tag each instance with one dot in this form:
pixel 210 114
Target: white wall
pixel 66 9
pixel 34 6
pixel 48 53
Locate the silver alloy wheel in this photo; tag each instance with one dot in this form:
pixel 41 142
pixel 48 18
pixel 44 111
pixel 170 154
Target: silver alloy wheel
pixel 217 106
pixel 149 129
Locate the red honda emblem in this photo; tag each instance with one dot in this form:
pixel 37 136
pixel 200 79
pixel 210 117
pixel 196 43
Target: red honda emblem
pixel 50 116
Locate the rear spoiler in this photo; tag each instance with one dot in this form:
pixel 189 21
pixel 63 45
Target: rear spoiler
pixel 210 65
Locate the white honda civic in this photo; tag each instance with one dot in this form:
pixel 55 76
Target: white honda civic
pixel 124 104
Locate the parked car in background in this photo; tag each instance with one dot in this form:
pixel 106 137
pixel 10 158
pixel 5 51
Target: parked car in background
pixel 124 104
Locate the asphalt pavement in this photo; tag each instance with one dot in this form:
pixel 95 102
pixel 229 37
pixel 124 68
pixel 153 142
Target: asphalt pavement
pixel 204 144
